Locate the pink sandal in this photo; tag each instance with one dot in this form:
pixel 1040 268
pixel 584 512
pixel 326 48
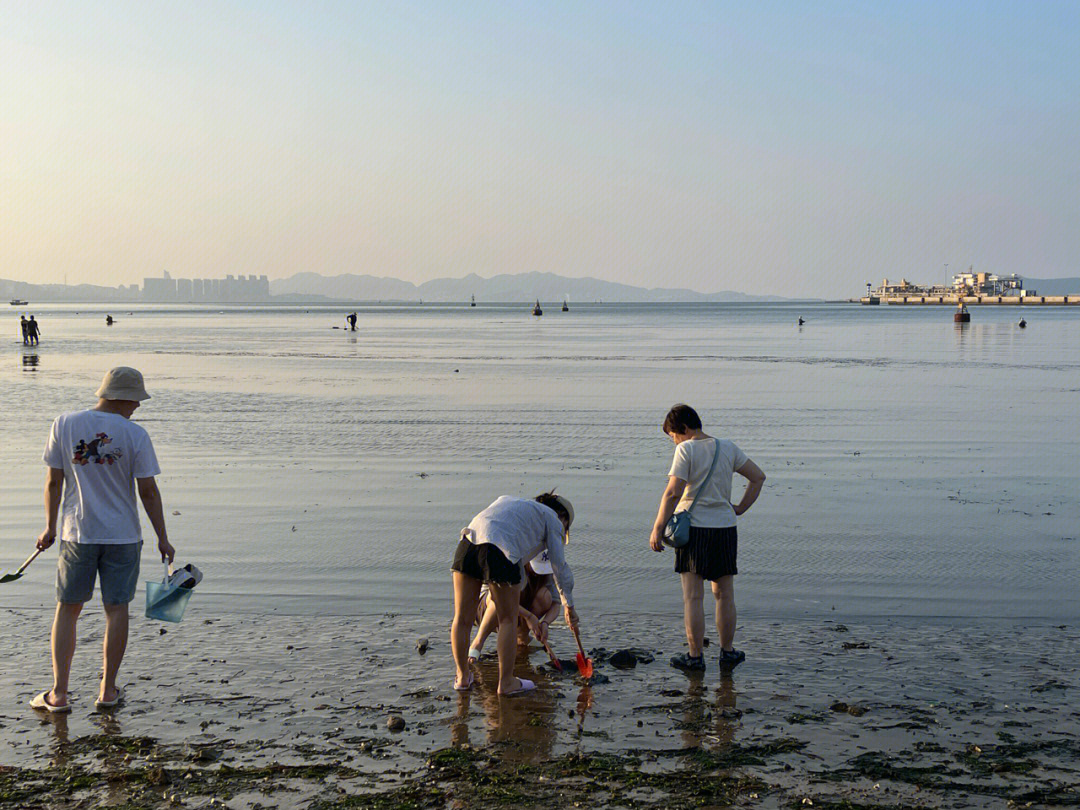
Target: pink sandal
pixel 466 687
pixel 526 686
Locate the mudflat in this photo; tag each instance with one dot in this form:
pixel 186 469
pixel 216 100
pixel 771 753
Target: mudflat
pixel 331 712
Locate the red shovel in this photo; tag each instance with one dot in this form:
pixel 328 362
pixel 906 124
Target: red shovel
pixel 584 665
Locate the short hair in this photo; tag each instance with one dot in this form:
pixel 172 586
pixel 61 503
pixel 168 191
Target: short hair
pixel 681 419
pixel 549 500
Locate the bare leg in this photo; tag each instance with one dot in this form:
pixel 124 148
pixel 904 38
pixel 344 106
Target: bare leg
pixel 487 624
pixel 116 637
pixel 506 605
pixel 693 590
pixel 541 603
pixel 724 591
pixel 63 650
pixel 466 594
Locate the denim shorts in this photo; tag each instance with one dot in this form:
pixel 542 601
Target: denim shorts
pixel 117 564
pixel 487 563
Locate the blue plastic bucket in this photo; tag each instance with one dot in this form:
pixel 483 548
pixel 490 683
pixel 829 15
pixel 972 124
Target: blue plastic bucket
pixel 166 602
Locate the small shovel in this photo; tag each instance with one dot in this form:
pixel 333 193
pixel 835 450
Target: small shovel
pixel 584 665
pixel 11 577
pixel 551 654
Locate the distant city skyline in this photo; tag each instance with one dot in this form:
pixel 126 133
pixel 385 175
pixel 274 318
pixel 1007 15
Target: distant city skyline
pixel 771 148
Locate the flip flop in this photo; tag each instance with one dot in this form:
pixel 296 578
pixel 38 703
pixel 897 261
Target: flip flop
pixel 466 687
pixel 526 686
pixel 41 702
pixel 108 704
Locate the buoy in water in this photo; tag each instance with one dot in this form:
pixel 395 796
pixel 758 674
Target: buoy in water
pixel 1022 324
pixel 536 309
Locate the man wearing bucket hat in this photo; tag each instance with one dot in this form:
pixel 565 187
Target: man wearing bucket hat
pixel 97 461
pixel 493 549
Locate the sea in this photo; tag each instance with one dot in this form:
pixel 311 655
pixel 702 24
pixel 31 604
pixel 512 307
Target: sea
pixel 916 467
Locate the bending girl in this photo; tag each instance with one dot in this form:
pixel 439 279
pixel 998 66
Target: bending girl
pixel 493 549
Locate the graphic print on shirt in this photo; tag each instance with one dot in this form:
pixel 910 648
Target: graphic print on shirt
pixel 91 452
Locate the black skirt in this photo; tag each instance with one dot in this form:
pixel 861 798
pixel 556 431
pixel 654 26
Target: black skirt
pixel 486 562
pixel 711 553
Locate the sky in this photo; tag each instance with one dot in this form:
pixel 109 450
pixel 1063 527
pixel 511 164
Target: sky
pixel 792 148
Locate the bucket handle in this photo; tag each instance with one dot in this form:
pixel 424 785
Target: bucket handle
pixel 168 572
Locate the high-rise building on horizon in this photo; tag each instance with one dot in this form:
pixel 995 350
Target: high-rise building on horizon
pixel 231 289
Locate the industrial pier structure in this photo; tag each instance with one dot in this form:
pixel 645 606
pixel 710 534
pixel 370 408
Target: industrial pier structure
pixel 966 288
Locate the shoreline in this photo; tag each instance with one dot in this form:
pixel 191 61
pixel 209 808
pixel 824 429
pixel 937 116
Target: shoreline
pixel 292 712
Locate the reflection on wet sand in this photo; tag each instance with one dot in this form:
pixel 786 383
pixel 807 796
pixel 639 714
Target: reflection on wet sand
pixel 30 362
pixel 524 727
pixel 60 745
pixel 705 723
pixel 112 757
pixel 640 737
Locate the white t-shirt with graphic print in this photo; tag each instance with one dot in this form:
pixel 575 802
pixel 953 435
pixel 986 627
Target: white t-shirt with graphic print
pixel 101 455
pixel 713 508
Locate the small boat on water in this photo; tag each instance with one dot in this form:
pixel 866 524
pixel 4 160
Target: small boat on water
pixel 18 302
pixel 961 315
pixel 1022 324
pixel 536 309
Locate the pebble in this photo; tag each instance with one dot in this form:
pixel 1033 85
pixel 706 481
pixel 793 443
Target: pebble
pixel 421 646
pixel 395 723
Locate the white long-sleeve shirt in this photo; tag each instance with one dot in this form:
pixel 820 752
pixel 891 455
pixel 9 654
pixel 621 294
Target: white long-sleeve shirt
pixel 521 529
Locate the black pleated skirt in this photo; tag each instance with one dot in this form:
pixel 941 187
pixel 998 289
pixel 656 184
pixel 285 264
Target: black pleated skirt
pixel 711 553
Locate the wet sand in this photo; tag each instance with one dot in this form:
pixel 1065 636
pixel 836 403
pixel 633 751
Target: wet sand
pixel 293 712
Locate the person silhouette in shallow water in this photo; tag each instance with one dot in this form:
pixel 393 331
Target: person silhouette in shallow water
pixel 33 331
pixel 351 318
pixel 25 324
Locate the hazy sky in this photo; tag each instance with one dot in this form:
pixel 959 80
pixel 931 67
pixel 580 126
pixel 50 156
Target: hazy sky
pixel 784 147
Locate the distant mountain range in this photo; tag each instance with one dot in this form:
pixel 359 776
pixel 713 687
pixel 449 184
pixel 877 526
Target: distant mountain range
pixel 522 288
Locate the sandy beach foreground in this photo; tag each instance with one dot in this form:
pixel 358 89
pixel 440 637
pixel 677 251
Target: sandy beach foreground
pixel 290 712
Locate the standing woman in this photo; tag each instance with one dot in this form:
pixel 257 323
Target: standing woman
pixel 711 552
pixel 493 549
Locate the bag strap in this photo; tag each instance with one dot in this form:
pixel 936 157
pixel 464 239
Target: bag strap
pixel 705 483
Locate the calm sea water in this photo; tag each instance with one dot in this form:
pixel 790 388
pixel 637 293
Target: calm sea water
pixel 915 467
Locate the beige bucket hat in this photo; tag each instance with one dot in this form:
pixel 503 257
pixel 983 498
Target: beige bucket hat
pixel 565 504
pixel 124 383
